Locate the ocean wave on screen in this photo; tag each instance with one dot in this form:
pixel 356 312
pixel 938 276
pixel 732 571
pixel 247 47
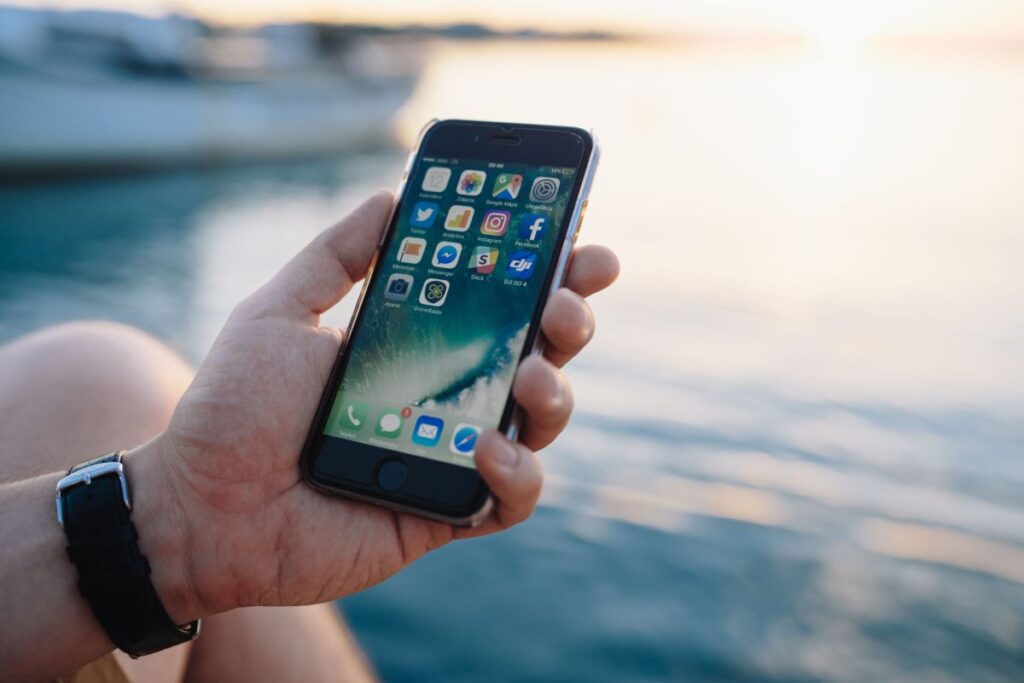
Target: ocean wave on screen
pixel 482 390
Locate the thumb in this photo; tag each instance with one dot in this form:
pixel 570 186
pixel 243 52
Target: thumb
pixel 324 271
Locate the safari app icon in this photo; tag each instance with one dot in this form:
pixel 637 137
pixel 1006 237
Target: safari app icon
pixel 464 439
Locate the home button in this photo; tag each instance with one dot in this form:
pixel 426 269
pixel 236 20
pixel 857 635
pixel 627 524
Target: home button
pixel 391 475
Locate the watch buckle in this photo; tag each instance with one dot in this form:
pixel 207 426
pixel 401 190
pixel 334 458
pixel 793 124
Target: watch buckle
pixel 85 476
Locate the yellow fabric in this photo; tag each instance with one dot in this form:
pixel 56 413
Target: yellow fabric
pixel 103 670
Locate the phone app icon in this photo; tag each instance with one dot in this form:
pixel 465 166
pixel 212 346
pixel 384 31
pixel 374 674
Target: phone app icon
pixel 427 431
pixel 436 179
pixel 521 265
pixel 434 292
pixel 471 183
pixel 464 439
pixel 411 250
pixel 423 214
pixel 533 226
pixel 544 190
pixel 446 255
pixel 484 259
pixel 353 415
pixel 506 186
pixel 389 424
pixel 495 223
pixel 398 287
pixel 459 218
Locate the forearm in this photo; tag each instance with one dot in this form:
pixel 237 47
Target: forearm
pixel 49 628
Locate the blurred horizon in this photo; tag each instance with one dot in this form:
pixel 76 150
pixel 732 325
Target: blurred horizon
pixel 977 23
pixel 794 456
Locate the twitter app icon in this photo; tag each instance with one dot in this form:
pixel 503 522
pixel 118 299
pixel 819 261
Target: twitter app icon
pixel 423 214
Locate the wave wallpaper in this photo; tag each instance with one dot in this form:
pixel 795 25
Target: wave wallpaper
pixel 447 315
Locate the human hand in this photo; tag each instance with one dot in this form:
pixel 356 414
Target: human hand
pixel 230 487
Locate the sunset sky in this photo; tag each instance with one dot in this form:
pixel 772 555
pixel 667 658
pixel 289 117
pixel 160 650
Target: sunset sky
pixel 863 18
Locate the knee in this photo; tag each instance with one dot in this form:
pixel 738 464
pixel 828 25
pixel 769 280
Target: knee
pixel 98 373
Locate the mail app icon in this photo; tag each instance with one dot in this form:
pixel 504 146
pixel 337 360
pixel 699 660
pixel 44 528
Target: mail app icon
pixel 427 431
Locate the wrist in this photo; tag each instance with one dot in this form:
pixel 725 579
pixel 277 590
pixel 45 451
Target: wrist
pixel 165 534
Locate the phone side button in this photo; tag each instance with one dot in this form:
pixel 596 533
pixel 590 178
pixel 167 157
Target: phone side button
pixel 391 475
pixel 579 224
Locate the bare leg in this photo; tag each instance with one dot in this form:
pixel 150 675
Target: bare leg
pixel 278 644
pixel 81 390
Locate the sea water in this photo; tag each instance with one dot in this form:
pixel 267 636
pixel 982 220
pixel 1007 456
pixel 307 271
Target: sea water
pixel 797 448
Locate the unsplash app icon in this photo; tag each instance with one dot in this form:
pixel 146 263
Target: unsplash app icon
pixel 544 190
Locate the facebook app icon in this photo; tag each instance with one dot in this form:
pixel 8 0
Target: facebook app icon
pixel 533 226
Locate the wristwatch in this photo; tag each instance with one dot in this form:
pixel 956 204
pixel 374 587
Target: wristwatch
pixel 94 507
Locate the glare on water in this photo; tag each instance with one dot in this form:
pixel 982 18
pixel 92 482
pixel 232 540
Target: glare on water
pixel 804 397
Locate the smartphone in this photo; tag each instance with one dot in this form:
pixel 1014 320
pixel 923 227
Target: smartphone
pixel 480 235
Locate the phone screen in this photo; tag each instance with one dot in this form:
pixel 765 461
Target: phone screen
pixel 447 314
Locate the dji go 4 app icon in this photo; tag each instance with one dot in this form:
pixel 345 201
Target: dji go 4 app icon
pixel 533 226
pixel 544 190
pixel 521 265
pixel 434 292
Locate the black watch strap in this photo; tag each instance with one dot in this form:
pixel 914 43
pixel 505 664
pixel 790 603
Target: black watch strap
pixel 94 507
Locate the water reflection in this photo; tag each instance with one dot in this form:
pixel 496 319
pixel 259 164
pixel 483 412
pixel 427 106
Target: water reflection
pixel 794 453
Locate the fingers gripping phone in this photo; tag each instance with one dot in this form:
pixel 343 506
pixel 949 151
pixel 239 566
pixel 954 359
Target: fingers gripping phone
pixel 480 235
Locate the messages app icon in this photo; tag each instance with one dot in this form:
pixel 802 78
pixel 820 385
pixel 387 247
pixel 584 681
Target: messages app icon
pixel 427 431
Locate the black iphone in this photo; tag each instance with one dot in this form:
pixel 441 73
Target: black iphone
pixel 480 235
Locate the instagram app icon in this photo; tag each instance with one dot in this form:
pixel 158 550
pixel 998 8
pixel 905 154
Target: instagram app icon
pixel 495 223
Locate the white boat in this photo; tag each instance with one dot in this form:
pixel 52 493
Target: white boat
pixel 103 90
